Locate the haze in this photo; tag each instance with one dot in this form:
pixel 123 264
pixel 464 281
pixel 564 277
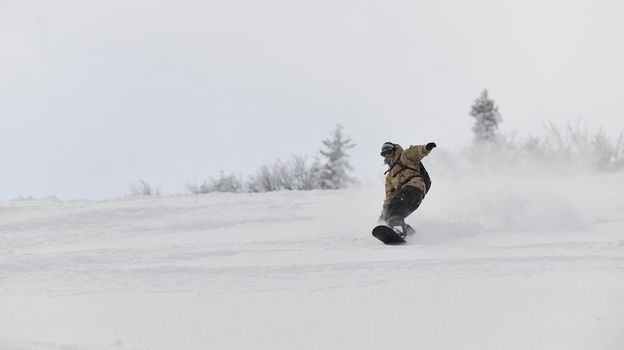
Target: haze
pixel 95 95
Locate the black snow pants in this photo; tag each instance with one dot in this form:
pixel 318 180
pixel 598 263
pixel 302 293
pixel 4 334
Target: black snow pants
pixel 406 201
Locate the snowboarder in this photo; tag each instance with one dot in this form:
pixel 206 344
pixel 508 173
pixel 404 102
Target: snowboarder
pixel 407 182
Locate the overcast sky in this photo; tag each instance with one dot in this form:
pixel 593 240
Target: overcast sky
pixel 95 95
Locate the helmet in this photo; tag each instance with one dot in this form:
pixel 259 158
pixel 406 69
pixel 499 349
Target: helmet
pixel 387 148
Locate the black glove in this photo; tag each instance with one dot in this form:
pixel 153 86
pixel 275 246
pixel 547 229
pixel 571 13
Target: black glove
pixel 430 146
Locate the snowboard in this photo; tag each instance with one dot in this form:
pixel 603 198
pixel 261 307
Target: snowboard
pixel 387 235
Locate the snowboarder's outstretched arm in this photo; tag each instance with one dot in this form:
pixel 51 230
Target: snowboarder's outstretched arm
pixel 416 153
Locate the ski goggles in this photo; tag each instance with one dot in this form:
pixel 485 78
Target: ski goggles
pixel 387 149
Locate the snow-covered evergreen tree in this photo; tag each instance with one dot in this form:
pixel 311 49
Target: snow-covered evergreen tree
pixel 487 118
pixel 315 172
pixel 334 173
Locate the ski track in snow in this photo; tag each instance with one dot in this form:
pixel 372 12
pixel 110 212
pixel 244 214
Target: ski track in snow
pixel 502 262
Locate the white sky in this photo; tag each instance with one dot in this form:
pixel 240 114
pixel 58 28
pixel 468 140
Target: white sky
pixel 95 95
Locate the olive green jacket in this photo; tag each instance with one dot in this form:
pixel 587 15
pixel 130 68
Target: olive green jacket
pixel 404 171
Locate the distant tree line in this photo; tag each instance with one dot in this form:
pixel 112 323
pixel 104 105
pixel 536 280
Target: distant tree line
pixel 565 147
pixel 572 145
pixel 329 170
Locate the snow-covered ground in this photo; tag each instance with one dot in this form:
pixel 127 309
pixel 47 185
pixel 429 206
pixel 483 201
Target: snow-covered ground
pixel 496 263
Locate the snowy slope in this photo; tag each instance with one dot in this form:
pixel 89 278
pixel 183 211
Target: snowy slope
pixel 504 263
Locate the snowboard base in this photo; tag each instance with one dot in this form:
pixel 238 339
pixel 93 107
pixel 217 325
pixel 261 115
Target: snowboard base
pixel 387 235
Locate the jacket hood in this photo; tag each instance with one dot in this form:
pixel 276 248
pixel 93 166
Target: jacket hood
pixel 398 150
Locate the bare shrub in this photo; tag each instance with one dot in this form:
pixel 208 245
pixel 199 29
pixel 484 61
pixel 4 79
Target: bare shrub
pixel 291 175
pixel 569 148
pixel 224 183
pixel 143 188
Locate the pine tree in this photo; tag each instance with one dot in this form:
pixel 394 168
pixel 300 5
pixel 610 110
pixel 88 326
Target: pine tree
pixel 334 173
pixel 487 118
